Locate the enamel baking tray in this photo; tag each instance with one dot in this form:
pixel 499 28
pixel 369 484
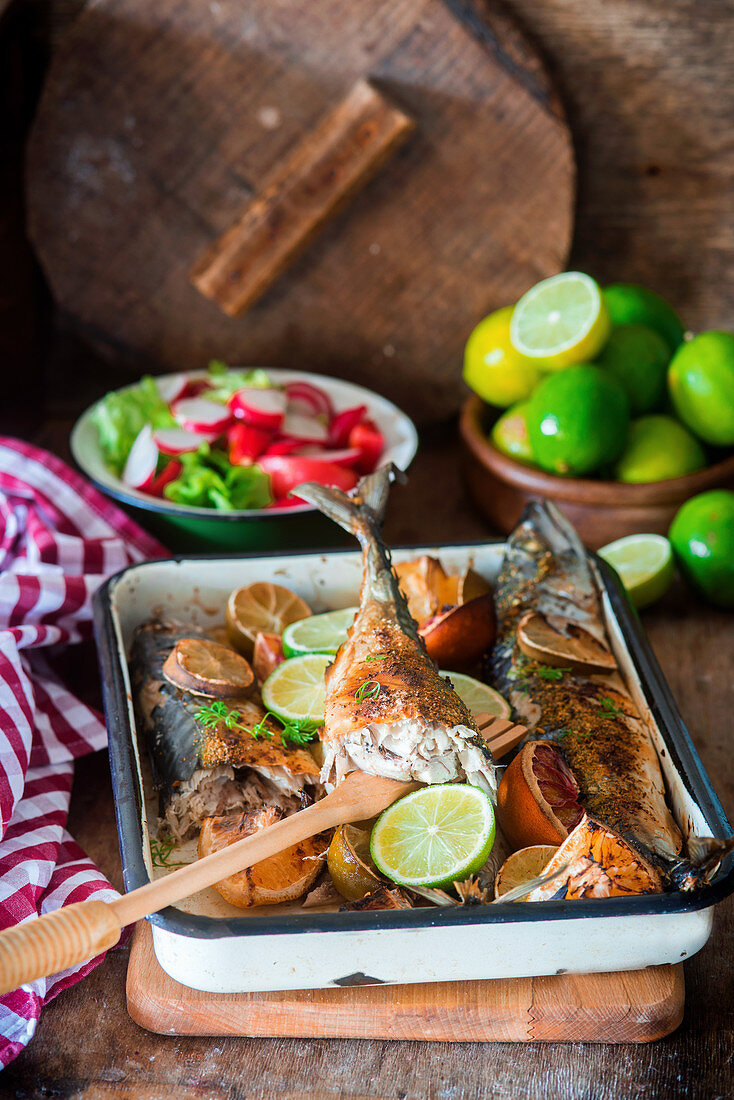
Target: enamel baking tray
pixel 288 947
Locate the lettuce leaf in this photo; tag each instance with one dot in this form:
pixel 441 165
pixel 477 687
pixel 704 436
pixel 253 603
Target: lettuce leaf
pixel 119 416
pixel 226 381
pixel 208 480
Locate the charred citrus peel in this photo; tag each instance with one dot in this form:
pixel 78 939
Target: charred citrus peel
pixel 537 799
pixel 599 864
pixel 350 864
pixel 282 877
pixel 578 649
pixel 208 668
pixel 262 607
pixel 456 639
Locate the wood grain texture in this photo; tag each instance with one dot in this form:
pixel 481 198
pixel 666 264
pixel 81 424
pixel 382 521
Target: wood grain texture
pixel 304 193
pixel 158 123
pixel 631 1007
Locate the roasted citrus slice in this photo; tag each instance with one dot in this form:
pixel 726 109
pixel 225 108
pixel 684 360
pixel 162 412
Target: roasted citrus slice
pixel 208 668
pixel 279 878
pixel 350 863
pixel 537 799
pixel 578 649
pixel 456 639
pixel 599 864
pixel 522 866
pixel 262 607
pixel 426 586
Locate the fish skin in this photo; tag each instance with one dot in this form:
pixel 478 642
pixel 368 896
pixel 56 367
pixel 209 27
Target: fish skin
pixel 604 739
pixel 410 689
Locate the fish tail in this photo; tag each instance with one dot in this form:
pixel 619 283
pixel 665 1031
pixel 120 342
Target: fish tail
pixel 705 853
pixel 360 513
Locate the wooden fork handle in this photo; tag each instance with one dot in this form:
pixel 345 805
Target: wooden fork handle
pixel 56 941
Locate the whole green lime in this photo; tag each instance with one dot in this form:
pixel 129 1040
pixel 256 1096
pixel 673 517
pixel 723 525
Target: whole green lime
pixel 638 357
pixel 629 304
pixel 492 366
pixel 578 420
pixel 701 386
pixel 510 434
pixel 702 535
pixel 658 448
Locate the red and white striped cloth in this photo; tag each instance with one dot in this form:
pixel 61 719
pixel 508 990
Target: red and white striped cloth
pixel 59 539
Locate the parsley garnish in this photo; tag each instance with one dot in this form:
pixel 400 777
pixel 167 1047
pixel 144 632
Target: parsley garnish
pixel 299 731
pixel 377 657
pixel 608 708
pixel 548 672
pixel 370 689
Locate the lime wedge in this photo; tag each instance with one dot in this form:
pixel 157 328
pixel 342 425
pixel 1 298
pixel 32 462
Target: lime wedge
pixel 296 691
pixel 318 633
pixel 479 698
pixel 561 321
pixel 434 836
pixel 644 564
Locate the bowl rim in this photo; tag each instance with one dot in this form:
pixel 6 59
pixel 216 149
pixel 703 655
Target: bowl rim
pixel 578 489
pixel 402 453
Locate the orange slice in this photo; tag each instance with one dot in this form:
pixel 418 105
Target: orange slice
pixel 537 799
pixel 600 864
pixel 522 866
pixel 208 668
pixel 261 607
pixel 282 877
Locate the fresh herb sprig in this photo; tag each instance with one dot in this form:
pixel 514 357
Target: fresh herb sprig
pixel 298 731
pixel 377 657
pixel 550 672
pixel 161 851
pixel 608 708
pixel 370 689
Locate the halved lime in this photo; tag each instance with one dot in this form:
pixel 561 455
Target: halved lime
pixel 296 689
pixel 644 564
pixel 319 633
pixel 561 321
pixel 434 836
pixel 479 698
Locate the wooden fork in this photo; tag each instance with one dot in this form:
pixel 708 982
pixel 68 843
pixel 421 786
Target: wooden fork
pixel 499 734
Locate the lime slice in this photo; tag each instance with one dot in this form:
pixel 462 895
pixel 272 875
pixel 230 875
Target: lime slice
pixel 479 698
pixel 434 836
pixel 296 691
pixel 561 321
pixel 318 633
pixel 644 564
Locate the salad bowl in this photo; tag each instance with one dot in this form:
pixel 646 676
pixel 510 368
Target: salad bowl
pixel 184 527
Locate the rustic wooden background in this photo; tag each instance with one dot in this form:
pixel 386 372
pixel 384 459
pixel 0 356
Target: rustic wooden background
pixel 649 90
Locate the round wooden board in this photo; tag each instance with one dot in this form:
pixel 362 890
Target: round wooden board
pixel 159 123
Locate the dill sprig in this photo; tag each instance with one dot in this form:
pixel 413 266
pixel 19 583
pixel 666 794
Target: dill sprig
pixel 370 689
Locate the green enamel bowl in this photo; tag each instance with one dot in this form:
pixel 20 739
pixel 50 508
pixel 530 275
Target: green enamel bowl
pixel 184 529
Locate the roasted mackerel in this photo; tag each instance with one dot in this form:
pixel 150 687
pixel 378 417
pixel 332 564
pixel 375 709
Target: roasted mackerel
pixel 202 769
pixel 388 710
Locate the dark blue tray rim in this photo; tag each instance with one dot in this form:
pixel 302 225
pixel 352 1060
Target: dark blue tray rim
pixel 677 739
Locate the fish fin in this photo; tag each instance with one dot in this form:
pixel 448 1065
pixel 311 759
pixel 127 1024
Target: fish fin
pixel 365 505
pixel 705 853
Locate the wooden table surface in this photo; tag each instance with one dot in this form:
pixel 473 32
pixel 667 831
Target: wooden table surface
pixel 87 1046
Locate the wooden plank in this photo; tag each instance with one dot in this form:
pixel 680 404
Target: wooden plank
pixel 306 190
pixel 633 1007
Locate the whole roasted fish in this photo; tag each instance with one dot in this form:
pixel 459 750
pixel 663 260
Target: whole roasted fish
pixel 605 740
pixel 388 710
pixel 203 769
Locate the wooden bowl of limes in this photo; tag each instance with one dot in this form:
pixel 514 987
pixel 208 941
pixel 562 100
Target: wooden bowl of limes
pixel 601 511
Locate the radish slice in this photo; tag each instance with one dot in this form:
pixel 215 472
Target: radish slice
pixel 348 456
pixel 246 443
pixel 196 414
pixel 139 472
pixel 171 472
pixel 171 389
pixel 177 441
pixel 342 424
pixel 286 445
pixel 309 398
pixel 304 428
pixel 259 407
pixel 286 472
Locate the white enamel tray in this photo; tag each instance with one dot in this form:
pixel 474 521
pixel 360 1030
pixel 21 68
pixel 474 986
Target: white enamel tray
pixel 211 946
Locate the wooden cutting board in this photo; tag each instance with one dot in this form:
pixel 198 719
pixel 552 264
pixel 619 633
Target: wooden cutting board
pixel 166 127
pixel 631 1007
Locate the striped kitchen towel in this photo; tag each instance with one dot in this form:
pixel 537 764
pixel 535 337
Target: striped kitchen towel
pixel 59 539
